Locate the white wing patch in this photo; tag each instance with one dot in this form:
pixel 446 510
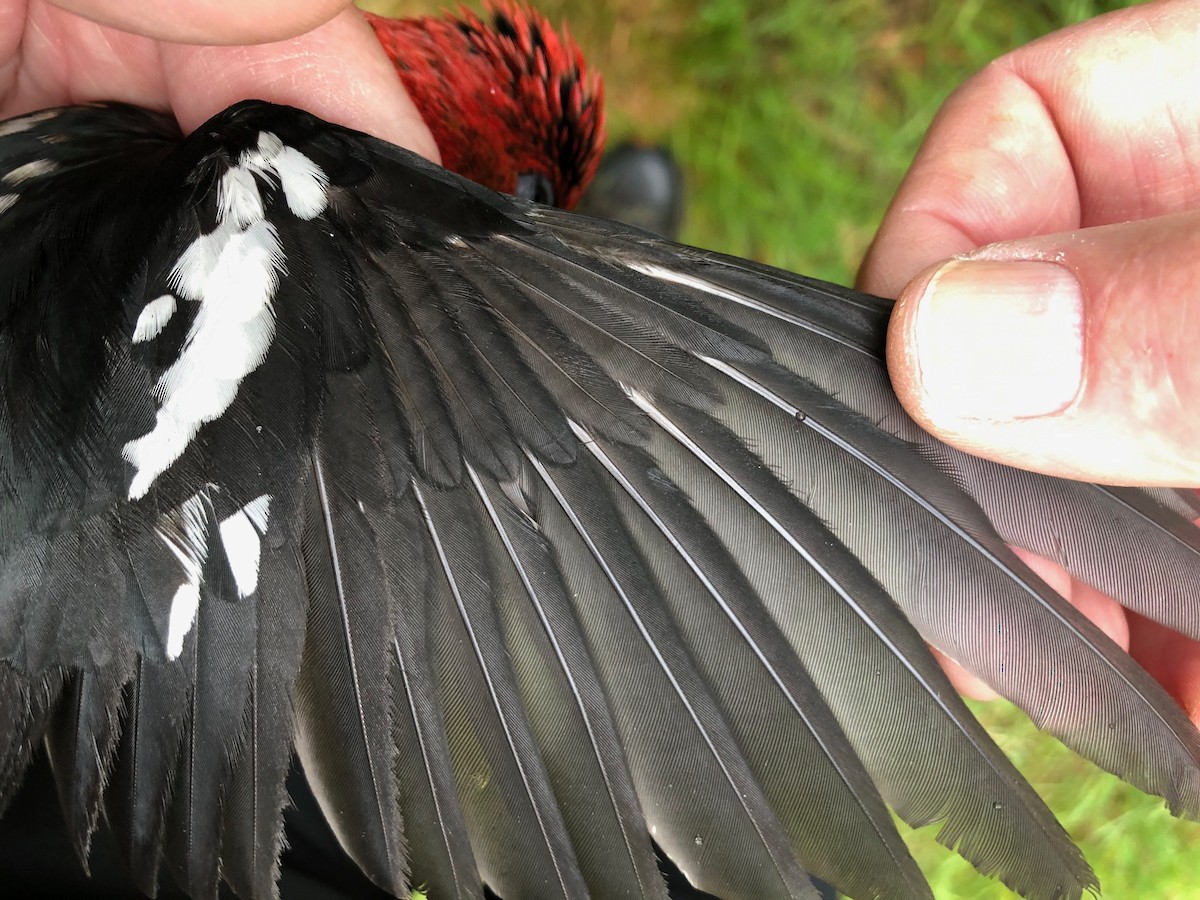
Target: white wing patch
pixel 189 543
pixel 185 533
pixel 34 169
pixel 305 186
pixel 238 198
pixel 153 318
pixel 184 606
pixel 7 201
pixel 233 273
pixel 24 123
pixel 241 535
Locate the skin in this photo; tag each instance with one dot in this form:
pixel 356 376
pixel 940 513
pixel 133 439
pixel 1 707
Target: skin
pixel 1065 180
pixel 319 54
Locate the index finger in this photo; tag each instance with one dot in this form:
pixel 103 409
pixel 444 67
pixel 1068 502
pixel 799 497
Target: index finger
pixel 1095 124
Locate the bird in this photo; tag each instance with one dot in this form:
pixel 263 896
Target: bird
pixel 540 540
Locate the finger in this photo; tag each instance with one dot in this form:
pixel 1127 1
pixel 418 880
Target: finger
pixel 1172 659
pixel 1095 124
pixel 12 26
pixel 964 682
pixel 1069 354
pixel 1104 612
pixel 979 177
pixel 338 72
pixel 209 21
pixel 61 58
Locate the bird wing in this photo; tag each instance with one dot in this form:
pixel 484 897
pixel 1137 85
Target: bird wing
pixel 537 537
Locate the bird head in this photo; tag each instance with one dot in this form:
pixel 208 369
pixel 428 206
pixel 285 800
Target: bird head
pixel 509 100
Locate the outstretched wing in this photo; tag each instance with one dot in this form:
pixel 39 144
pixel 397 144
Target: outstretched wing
pixel 538 537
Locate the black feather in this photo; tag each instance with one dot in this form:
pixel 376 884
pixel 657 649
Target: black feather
pixel 344 733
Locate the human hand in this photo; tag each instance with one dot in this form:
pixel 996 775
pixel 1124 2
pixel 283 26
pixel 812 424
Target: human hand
pixel 1070 346
pixel 317 54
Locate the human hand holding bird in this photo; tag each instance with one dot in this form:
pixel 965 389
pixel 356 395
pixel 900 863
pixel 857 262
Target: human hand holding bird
pixel 1077 150
pixel 317 54
pixel 519 511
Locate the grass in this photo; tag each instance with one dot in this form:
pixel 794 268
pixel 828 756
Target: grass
pixel 794 122
pixel 1134 845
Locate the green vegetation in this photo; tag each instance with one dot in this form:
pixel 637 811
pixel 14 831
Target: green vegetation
pixel 795 122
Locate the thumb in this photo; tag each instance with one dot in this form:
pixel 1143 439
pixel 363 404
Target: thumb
pixel 1073 354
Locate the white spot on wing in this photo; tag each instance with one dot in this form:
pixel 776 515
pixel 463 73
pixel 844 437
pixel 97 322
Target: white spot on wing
pixel 241 535
pixel 238 198
pixel 187 539
pixel 153 318
pixel 188 542
pixel 304 182
pixel 184 606
pixel 24 123
pixel 7 201
pixel 269 146
pixel 34 169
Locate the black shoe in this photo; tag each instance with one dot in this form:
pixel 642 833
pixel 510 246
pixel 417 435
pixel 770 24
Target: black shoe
pixel 640 186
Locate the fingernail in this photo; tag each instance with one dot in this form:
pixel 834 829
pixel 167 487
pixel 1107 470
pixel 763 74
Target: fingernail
pixel 1000 340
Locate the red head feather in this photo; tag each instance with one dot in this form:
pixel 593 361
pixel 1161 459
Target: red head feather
pixel 505 96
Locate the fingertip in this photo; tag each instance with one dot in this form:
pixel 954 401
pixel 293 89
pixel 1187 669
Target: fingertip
pixel 902 348
pixel 992 341
pixel 1070 354
pixel 988 356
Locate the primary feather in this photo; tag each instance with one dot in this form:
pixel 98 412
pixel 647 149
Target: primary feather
pixel 540 539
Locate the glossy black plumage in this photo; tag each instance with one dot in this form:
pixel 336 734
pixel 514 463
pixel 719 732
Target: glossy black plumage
pixel 540 537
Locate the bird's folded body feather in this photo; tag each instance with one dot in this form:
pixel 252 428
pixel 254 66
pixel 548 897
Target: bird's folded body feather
pixel 538 537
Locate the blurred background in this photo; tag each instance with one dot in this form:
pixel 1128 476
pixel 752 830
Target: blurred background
pixel 794 123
